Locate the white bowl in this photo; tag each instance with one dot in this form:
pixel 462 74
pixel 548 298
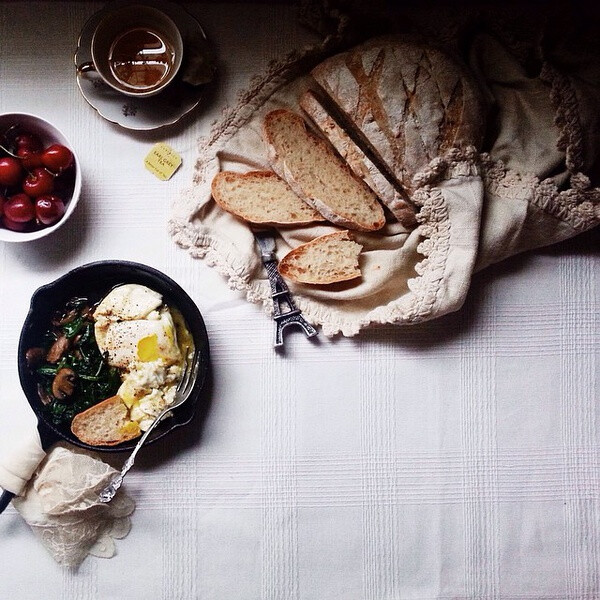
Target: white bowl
pixel 49 135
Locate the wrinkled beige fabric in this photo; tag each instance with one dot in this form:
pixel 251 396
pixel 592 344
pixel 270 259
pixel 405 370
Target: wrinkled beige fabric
pixel 61 505
pixel 528 191
pixel 536 192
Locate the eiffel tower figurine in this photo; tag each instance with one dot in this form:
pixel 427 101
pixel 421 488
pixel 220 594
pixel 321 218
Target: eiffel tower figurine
pixel 285 311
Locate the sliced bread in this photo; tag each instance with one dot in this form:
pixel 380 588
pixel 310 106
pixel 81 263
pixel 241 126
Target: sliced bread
pixel 318 175
pixel 105 424
pixel 409 102
pixel 327 259
pixel 261 197
pixel 357 160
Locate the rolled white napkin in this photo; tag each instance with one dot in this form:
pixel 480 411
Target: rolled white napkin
pixel 19 461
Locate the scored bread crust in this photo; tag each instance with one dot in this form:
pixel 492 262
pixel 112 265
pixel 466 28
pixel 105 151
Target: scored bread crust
pixel 104 424
pixel 362 166
pixel 319 148
pixel 305 263
pixel 261 197
pixel 411 103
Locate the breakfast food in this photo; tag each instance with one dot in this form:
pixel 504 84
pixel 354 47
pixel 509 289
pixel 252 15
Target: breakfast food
pixel 261 197
pixel 327 259
pixel 380 117
pixel 35 181
pixel 108 371
pixel 105 424
pixel 360 164
pixel 142 337
pixel 409 103
pixel 318 175
pixel 70 372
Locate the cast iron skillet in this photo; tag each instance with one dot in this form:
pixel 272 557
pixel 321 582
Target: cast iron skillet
pixel 94 280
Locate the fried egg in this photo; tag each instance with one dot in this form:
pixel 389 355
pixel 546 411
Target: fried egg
pixel 139 336
pixel 128 302
pixel 141 340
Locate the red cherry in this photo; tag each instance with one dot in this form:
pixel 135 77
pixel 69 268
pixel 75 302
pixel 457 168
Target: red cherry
pixel 49 209
pixel 57 158
pixel 10 171
pixel 30 141
pixel 9 224
pixel 29 158
pixel 19 209
pixel 38 182
pixel 2 201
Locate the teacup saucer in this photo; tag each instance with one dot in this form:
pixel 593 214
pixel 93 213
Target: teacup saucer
pixel 142 114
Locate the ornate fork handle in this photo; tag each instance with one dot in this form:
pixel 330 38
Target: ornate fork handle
pixel 111 489
pixel 182 393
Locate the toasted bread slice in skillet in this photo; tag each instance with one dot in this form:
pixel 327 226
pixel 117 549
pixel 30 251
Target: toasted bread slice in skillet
pixel 105 424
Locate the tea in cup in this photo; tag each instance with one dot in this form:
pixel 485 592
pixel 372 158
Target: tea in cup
pixel 137 50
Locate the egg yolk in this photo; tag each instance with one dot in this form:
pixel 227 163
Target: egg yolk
pixel 147 348
pixel 130 428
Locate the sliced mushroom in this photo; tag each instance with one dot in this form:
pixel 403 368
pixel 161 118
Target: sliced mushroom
pixel 45 397
pixel 63 384
pixel 34 357
pixel 63 319
pixel 60 346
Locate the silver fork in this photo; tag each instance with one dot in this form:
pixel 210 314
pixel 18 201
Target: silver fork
pixel 182 393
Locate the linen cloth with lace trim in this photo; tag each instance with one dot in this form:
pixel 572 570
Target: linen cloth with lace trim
pixel 60 503
pixel 528 190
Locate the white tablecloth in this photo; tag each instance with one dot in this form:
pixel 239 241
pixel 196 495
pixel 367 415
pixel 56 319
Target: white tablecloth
pixel 454 460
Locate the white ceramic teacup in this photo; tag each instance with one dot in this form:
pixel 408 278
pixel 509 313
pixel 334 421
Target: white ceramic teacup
pixel 137 50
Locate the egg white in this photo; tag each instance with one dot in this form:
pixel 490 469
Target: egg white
pixel 138 334
pixel 124 303
pixel 147 340
pixel 128 302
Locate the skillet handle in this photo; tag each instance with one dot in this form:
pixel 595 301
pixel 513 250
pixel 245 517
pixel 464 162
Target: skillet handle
pixel 5 499
pixel 47 437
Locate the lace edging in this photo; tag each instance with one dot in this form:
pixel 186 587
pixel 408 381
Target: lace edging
pixel 567 119
pixel 262 86
pixel 424 289
pixel 417 306
pixel 579 206
pixel 205 246
pixel 435 226
pixel 456 162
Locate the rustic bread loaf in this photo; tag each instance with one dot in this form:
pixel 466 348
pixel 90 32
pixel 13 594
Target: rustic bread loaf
pixel 327 259
pixel 410 103
pixel 105 424
pixel 261 197
pixel 318 175
pixel 360 164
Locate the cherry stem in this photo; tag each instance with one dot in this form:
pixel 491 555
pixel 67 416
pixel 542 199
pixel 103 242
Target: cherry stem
pixel 21 158
pixel 15 126
pixel 9 152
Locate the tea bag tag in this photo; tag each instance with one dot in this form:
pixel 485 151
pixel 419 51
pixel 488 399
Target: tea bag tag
pixel 162 161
